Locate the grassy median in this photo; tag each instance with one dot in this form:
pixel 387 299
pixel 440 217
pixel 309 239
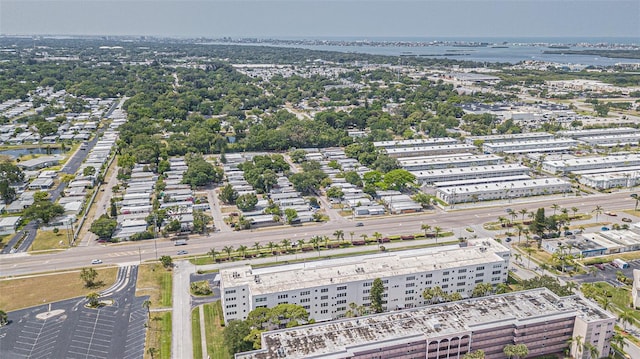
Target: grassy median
pixel 195 333
pixel 213 325
pixel 24 292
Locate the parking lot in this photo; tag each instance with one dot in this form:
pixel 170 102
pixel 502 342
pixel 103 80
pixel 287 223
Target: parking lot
pixel 608 274
pixel 68 329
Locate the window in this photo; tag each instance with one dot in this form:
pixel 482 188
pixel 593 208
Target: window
pixel 410 291
pixel 231 306
pixel 365 298
pixel 324 304
pixel 460 284
pixel 445 279
pixel 408 299
pixel 342 301
pixel 324 311
pixel 344 287
pixel 341 295
pixel 480 268
pixel 324 297
pixel 229 291
pixel 258 300
pixel 231 298
pixel 480 274
pixel 413 277
pixel 496 272
pixel 306 292
pixel 282 303
pixel 283 296
pixel 232 313
pixel 366 291
pixel 305 300
pixel 367 284
pixel 460 277
pixel 324 290
pixel 429 282
pixel 479 280
pixel 409 285
pixel 341 309
pixel 445 286
pixel 385 281
pixel 460 291
pixel 497 266
pixel 445 272
pixel 306 307
pixel 429 275
pixel 463 270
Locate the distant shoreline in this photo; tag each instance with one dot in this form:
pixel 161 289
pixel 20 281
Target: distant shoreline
pixel 618 54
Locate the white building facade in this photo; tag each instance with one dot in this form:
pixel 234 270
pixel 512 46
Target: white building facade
pixel 326 288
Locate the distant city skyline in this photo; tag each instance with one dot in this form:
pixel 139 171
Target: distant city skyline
pixel 323 18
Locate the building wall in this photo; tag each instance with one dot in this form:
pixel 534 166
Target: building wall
pixel 330 301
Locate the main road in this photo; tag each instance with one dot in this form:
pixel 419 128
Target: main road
pixel 456 220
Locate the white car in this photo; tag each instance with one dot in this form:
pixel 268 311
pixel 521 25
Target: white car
pixel 96 261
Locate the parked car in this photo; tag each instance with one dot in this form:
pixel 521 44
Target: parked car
pixel 627 219
pixel 180 253
pixel 608 213
pixel 96 261
pixel 604 228
pixel 359 224
pixel 508 239
pixel 599 266
pixel 568 233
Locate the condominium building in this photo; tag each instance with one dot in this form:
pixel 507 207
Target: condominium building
pixel 536 318
pixel 502 190
pixel 526 136
pixel 326 288
pixel 550 145
pixel 578 134
pixel 590 163
pixel 463 173
pixel 421 163
pixel 429 150
pixel 416 142
pixel 631 139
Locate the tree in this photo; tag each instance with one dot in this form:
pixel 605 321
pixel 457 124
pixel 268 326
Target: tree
pixel 335 192
pixel 7 193
pixel 167 261
pixel 213 253
pixel 228 194
pixel 243 250
pixel 476 354
pixel 94 299
pixel 627 318
pixel 521 351
pixel 147 305
pixel 539 223
pixel 89 171
pixel 88 276
pixel 426 228
pixel 637 199
pixel 257 246
pixel 377 289
pixel 398 179
pixel 200 221
pixel 152 352
pixel 200 172
pixel 598 211
pixel 437 231
pixel 339 234
pixel 228 250
pixel 592 351
pixel 291 214
pixel 4 318
pixel 247 202
pixel 103 227
pixel 234 335
pixel 43 210
pixel 422 198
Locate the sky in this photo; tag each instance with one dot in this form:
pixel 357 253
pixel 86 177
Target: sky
pixel 323 18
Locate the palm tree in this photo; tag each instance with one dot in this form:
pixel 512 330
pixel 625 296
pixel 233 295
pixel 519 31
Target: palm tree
pixel 243 251
pixel 592 350
pixel 152 351
pixel 517 256
pixel 502 288
pixel 147 305
pixel 555 207
pixel 351 234
pixel 94 299
pixel 571 286
pixel 301 243
pixel 339 234
pixel 520 228
pixel 286 244
pixel 626 317
pixel 271 246
pixel 364 236
pixel 425 228
pixel 326 242
pixel 509 350
pixel 257 246
pixel 575 211
pixel 521 351
pixel 577 341
pixel 315 240
pixel 529 251
pixel 618 342
pixel 437 230
pixel 213 253
pixel 598 211
pixel 523 212
pixel 377 236
pixel 637 198
pixel 4 318
pixel 605 303
pixel 228 250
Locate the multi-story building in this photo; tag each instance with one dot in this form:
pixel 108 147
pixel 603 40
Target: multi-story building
pixel 326 288
pixel 630 139
pixel 439 141
pixel 429 177
pixel 550 145
pixel 429 150
pixel 536 318
pixel 526 136
pixel 607 163
pixel 502 190
pixel 421 163
pixel 579 134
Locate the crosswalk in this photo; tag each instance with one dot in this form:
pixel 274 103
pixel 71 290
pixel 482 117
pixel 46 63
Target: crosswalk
pixel 127 253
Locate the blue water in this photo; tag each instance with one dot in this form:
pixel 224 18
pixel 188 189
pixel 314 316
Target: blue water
pixel 518 49
pixel 17 152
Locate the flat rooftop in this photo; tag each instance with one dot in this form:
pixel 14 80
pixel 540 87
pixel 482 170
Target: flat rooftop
pixel 361 268
pixel 334 339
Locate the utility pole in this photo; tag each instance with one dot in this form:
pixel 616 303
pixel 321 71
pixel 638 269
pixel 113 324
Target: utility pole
pixel 140 255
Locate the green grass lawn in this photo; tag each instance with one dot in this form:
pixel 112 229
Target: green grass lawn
pixel 46 240
pixel 195 333
pixel 214 329
pixel 159 336
pixel 620 298
pixel 156 282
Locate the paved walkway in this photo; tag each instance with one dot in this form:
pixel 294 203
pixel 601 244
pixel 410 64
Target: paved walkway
pixel 203 334
pixel 182 339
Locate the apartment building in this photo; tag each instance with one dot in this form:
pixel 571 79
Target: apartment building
pixel 429 177
pixel 502 190
pixel 536 318
pixel 590 163
pixel 512 137
pixel 429 150
pixel 421 163
pixel 326 288
pixel 550 145
pixel 439 141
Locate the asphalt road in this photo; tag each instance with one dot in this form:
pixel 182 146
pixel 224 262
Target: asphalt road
pixel 456 220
